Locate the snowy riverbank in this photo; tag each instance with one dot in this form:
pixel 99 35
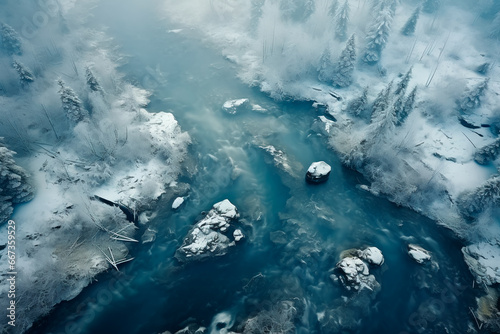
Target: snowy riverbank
pixel 80 130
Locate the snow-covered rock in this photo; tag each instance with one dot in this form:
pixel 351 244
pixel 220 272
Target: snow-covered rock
pixel 355 274
pixel 372 255
pixel 238 235
pixel 177 203
pixel 208 237
pixel 483 260
pixel 232 106
pixel 418 253
pixel 318 172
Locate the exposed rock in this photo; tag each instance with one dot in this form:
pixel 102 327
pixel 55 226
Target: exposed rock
pixel 483 260
pixel 418 253
pixel 372 255
pixel 177 203
pixel 208 237
pixel 281 160
pixel 356 274
pixel 318 172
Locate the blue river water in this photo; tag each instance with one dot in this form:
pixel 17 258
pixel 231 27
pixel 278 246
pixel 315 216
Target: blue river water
pixel 154 293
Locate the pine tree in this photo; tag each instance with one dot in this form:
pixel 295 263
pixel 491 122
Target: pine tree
pixel 377 36
pixel 488 153
pixel 474 202
pixel 431 6
pixel 92 81
pixel 345 66
pixel 403 84
pixel 72 105
pixel 14 185
pixel 11 41
pixel 397 108
pixel 325 68
pixel 381 102
pixel 471 98
pixel 495 27
pixel 411 24
pixel 407 107
pixel 358 105
pixel 25 75
pixel 342 19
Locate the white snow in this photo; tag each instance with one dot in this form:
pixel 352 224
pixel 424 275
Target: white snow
pixel 356 273
pixel 238 235
pixel 177 203
pixel 226 209
pixel 372 255
pixel 483 260
pixel 418 253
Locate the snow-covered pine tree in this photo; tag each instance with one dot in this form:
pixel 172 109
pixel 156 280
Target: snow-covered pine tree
pixel 411 24
pixel 11 41
pixel 25 75
pixel 471 99
pixel 14 185
pixel 474 202
pixel 345 65
pixel 397 108
pixel 297 10
pixel 408 106
pixel 488 153
pixel 92 81
pixel 358 105
pixel 377 36
pixel 381 102
pixel 431 6
pixel 403 84
pixel 72 105
pixel 495 27
pixel 325 68
pixel 341 21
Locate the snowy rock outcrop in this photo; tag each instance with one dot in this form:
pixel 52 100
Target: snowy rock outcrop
pixel 210 236
pixel 418 253
pixel 354 271
pixel 232 106
pixel 483 261
pixel 177 203
pixel 318 172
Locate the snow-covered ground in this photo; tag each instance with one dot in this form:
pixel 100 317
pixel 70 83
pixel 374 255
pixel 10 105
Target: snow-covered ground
pixel 116 150
pixel 425 161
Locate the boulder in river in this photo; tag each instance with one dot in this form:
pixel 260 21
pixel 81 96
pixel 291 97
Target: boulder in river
pixel 418 253
pixel 211 236
pixel 354 270
pixel 318 172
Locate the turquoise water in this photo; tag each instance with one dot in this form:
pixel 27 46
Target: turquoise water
pixel 155 293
